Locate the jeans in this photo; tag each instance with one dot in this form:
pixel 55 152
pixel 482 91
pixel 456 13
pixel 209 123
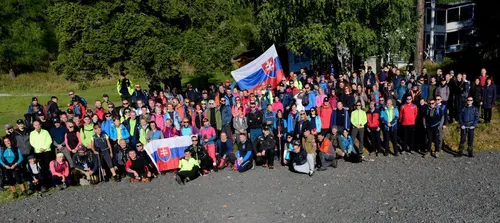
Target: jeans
pixel 433 137
pixel 254 133
pixel 306 167
pixel 361 133
pixel 326 159
pixel 408 137
pixel 469 135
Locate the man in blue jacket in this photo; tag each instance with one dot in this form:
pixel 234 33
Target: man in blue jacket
pixel 225 111
pixel 468 119
pixel 432 121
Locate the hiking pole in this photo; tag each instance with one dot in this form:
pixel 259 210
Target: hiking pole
pixel 100 167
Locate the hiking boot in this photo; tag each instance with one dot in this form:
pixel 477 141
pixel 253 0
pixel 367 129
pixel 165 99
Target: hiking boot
pixel 145 180
pixel 311 173
pixel 471 154
pixel 321 169
pixel 470 150
pixel 178 179
pixel 15 195
pixel 64 186
pixel 335 163
pixel 271 167
pixel 25 193
pixel 459 154
pixel 117 179
pixel 58 187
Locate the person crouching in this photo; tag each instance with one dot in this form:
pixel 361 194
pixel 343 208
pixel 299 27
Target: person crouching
pixel 300 160
pixel 85 166
pixel 60 172
pixel 137 168
pixel 189 168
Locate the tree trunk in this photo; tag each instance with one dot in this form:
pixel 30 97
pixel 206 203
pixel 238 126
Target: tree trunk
pixel 12 74
pixel 419 63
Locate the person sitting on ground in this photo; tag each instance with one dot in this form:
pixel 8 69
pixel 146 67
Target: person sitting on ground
pixel 137 168
pixel 242 160
pixel 347 142
pixel 86 164
pixel 120 154
pixel 300 160
pixel 200 154
pixel 327 153
pixel 264 149
pixel 101 146
pixel 224 148
pixel 34 176
pixel 59 169
pixel 189 168
pixel 142 153
pixel 11 159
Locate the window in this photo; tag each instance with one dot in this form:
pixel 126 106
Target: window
pixel 428 15
pixel 439 41
pixel 427 40
pixel 466 13
pixel 440 17
pixel 453 15
pixel 452 38
pixel 464 35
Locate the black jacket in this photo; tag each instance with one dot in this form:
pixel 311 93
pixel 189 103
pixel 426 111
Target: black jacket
pixel 299 158
pixel 198 152
pixel 255 119
pixel 264 143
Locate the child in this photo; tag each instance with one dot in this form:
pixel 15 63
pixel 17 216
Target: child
pixel 35 175
pixel 188 168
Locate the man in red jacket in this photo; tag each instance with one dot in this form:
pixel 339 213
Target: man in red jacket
pixel 407 116
pixel 325 113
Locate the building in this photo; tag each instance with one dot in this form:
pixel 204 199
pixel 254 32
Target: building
pixel 453 25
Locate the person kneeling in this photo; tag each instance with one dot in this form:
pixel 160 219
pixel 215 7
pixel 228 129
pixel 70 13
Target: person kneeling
pixel 137 168
pixel 300 160
pixel 60 172
pixel 85 165
pixel 242 160
pixel 264 149
pixel 188 168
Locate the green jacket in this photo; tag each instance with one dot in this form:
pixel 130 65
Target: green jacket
pixel 86 134
pixel 130 88
pixel 218 117
pixel 358 117
pixel 40 140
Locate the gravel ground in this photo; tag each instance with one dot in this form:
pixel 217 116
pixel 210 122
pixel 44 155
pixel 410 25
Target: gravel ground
pixel 397 189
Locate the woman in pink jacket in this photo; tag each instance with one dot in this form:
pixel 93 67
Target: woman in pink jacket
pixel 277 105
pixel 59 168
pixel 320 97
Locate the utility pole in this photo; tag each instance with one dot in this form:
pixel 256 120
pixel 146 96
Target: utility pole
pixel 418 62
pixel 431 39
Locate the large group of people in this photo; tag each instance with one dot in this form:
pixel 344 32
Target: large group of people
pixel 307 122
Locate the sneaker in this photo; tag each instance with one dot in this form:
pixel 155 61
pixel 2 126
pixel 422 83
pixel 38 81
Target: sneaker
pixel 64 186
pixel 271 167
pixel 321 169
pixel 205 172
pixel 311 173
pixel 335 163
pixel 117 179
pixel 58 187
pixel 178 179
pixel 25 193
pixel 186 180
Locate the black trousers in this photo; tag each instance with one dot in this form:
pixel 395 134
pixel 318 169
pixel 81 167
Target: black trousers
pixel 391 135
pixel 466 134
pixel 487 115
pixel 374 140
pixel 192 174
pixel 12 176
pixel 408 137
pixel 44 159
pixel 267 158
pixel 433 137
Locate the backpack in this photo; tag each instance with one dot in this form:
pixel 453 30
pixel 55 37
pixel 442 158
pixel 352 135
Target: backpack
pixel 305 99
pixel 83 101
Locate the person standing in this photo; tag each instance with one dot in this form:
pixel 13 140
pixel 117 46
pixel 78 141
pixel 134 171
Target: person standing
pixel 41 142
pixel 22 139
pixel 124 87
pixel 389 116
pixel 208 136
pixel 468 119
pixel 373 127
pixel 408 115
pixel 432 120
pixel 489 96
pixel 358 121
pixel 11 159
pixel 254 120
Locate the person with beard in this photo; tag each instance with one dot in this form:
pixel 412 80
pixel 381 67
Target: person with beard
pixel 200 154
pixel 137 168
pixel 242 159
pixel 86 165
pixel 432 121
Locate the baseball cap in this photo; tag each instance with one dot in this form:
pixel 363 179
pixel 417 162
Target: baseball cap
pixel 265 128
pixel 40 113
pixel 296 143
pixel 19 121
pixel 8 126
pixel 325 99
pixel 56 120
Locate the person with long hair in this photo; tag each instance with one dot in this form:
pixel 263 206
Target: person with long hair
pixel 11 159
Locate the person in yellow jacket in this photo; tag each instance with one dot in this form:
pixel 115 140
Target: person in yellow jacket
pixel 188 168
pixel 358 121
pixel 124 87
pixel 41 141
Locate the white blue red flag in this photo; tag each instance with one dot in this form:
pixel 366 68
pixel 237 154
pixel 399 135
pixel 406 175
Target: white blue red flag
pixel 166 153
pixel 265 69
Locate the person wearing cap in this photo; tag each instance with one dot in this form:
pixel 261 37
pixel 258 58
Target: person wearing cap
pixel 263 148
pixel 86 165
pixel 325 114
pixel 34 106
pixel 22 139
pixel 46 124
pixel 11 160
pixel 300 160
pixel 58 133
pixel 34 175
pixel 101 146
pixel 255 121
pixel 59 168
pixel 208 136
pixel 9 133
pixel 52 108
pixel 77 108
pixel 358 121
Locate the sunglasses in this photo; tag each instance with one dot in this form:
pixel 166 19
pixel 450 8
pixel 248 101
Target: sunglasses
pixel 303 114
pixel 139 145
pixel 223 101
pixel 408 99
pixel 194 140
pixel 307 88
pixel 125 103
pixel 432 103
pixel 358 105
pixel 70 127
pixel 470 100
pixel 110 106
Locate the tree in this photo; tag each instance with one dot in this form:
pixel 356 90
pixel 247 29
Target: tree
pixel 419 54
pixel 25 38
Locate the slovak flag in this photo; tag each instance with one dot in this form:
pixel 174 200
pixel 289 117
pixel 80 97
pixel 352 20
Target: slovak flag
pixel 166 153
pixel 266 68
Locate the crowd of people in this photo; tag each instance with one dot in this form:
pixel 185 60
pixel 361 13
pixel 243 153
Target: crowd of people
pixel 308 122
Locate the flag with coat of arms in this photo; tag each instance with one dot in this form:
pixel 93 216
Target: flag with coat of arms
pixel 166 153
